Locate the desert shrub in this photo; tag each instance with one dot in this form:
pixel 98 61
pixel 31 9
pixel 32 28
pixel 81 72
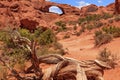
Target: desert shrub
pixel 115 31
pixel 107 15
pixel 93 17
pixel 117 18
pixel 62 25
pixel 98 24
pixel 72 22
pixel 47 37
pixel 6 38
pixel 97 33
pixel 102 38
pixel 89 18
pixel 43 37
pixel 89 27
pixel 66 36
pixel 81 20
pixel 39 31
pixel 26 33
pixel 106 56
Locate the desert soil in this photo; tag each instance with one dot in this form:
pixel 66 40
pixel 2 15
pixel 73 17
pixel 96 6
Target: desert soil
pixel 82 48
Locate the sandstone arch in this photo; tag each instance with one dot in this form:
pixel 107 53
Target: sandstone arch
pixel 47 7
pixel 55 9
pixel 66 9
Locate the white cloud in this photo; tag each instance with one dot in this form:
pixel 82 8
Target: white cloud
pixel 55 9
pixel 82 3
pixel 99 1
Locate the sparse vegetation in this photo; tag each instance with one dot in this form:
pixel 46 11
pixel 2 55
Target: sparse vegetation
pixel 114 31
pixel 89 18
pixel 102 38
pixel 98 24
pixel 62 26
pixel 117 18
pixel 66 36
pixel 94 17
pixel 89 27
pixel 106 56
pixel 81 20
pixel 107 15
pixel 47 37
pixel 106 34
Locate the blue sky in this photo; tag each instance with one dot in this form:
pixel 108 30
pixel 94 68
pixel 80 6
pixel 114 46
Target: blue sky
pixel 81 3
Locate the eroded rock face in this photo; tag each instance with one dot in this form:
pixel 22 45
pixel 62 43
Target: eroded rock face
pixel 28 24
pixel 117 6
pixel 89 9
pixel 92 8
pixel 36 10
pixel 15 7
pixel 66 9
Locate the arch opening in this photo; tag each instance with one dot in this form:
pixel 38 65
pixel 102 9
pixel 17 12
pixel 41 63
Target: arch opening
pixel 55 9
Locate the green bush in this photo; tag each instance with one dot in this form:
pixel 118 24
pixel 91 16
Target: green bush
pixel 89 18
pixel 66 36
pixel 90 26
pixel 97 33
pixel 81 20
pixel 94 17
pixel 26 33
pixel 102 38
pixel 107 15
pixel 98 24
pixel 62 26
pixel 115 31
pixel 6 38
pixel 47 37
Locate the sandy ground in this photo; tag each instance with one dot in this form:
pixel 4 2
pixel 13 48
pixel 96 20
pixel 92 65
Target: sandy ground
pixel 82 48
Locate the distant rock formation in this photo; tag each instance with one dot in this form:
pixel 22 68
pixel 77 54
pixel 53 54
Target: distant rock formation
pixel 117 6
pixel 12 11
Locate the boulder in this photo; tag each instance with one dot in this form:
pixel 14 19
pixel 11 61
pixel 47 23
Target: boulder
pixel 28 24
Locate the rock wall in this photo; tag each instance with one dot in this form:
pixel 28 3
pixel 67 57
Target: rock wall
pixel 117 6
pixel 12 11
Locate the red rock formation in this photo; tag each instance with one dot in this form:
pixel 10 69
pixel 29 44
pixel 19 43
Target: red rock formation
pixel 15 10
pixel 117 6
pixel 88 9
pixel 28 24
